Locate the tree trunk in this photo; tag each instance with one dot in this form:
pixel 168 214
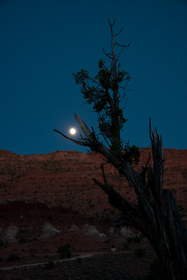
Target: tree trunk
pixel 156 214
pixel 170 238
pixel 164 230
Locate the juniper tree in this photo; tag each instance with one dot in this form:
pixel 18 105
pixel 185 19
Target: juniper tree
pixel 106 92
pixel 156 214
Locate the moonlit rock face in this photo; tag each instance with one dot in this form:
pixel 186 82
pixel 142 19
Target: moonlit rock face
pixel 72 131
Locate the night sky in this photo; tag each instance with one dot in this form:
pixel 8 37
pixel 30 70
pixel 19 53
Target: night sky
pixel 42 42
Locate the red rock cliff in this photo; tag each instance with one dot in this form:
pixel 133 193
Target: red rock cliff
pixel 64 179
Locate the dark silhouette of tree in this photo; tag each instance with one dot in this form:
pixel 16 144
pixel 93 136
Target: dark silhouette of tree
pixel 106 92
pixel 156 214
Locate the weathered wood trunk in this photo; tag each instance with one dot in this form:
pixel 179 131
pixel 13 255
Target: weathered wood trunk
pixel 168 238
pixel 156 214
pixel 162 226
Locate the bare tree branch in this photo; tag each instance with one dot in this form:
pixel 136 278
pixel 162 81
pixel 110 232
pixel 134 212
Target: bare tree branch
pixel 69 138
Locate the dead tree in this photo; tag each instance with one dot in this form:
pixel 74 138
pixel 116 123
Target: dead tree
pixel 156 213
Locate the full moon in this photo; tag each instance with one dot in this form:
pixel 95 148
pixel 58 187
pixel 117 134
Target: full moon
pixel 72 131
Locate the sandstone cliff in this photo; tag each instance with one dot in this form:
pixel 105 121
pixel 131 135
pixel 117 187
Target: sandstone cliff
pixel 64 178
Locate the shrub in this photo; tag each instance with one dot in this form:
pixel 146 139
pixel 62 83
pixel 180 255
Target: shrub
pixel 137 238
pixel 65 251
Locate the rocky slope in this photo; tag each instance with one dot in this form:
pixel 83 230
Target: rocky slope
pixel 50 200
pixel 64 179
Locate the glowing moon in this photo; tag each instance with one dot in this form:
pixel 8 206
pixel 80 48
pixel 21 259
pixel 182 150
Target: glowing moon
pixel 72 131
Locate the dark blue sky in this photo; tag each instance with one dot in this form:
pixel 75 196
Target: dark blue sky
pixel 42 42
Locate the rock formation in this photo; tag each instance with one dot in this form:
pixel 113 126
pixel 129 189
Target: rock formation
pixel 64 179
pixel 50 199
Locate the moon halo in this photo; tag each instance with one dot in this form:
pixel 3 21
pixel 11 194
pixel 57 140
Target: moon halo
pixel 72 131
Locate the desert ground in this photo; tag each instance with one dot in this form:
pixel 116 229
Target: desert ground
pixel 56 224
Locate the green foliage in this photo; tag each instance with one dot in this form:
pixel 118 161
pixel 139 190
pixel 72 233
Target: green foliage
pixel 131 153
pixel 102 92
pixel 105 93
